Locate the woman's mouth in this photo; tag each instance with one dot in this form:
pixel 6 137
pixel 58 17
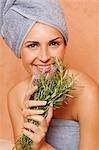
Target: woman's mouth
pixel 44 69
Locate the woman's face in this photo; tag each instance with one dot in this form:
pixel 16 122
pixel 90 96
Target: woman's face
pixel 40 47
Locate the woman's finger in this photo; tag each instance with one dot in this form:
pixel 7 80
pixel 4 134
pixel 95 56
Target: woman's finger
pixel 31 112
pixel 33 136
pixel 33 103
pixel 42 122
pixel 32 127
pixel 50 113
pixel 38 118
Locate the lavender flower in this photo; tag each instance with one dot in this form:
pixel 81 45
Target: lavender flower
pixel 35 77
pixel 44 71
pixel 53 69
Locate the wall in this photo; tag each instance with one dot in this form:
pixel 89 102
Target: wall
pixel 82 53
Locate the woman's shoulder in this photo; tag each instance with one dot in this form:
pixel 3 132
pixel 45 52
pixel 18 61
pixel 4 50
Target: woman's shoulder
pixel 85 85
pixel 86 92
pixel 16 93
pixel 83 79
pixel 86 95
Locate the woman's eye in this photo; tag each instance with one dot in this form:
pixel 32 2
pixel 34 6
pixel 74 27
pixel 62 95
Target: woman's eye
pixel 54 43
pixel 33 45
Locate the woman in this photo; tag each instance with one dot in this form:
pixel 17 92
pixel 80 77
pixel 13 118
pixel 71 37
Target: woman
pixel 37 33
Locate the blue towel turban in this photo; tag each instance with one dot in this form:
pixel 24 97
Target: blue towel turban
pixel 18 16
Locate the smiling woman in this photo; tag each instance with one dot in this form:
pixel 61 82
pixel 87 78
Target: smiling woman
pixel 40 51
pixel 37 33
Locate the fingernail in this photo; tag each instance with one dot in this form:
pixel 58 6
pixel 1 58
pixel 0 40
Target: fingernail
pixel 51 104
pixel 35 87
pixel 45 102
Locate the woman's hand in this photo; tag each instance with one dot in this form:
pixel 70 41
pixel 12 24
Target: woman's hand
pixel 34 132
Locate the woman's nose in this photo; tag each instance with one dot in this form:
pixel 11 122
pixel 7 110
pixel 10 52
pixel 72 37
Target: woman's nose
pixel 44 55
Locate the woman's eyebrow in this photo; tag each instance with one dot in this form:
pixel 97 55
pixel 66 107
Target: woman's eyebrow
pixel 54 39
pixel 36 42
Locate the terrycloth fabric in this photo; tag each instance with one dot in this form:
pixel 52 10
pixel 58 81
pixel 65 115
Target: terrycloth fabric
pixel 64 134
pixel 18 16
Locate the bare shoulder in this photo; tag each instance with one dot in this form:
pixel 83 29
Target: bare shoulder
pixel 84 82
pixel 87 110
pixel 83 77
pixel 87 96
pixel 85 85
pixel 17 93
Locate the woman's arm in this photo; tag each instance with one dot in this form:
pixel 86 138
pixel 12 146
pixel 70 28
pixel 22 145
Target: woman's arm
pixel 15 112
pixel 18 115
pixel 88 113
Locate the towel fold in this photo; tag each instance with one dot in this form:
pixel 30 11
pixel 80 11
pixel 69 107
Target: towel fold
pixel 18 16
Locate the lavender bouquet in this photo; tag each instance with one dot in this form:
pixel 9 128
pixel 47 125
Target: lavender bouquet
pixel 54 87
